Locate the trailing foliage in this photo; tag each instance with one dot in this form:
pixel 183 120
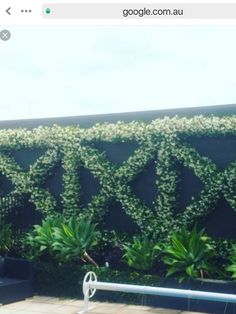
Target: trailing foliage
pixel 188 255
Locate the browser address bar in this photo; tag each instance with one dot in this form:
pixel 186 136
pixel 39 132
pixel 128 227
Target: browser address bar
pixel 139 11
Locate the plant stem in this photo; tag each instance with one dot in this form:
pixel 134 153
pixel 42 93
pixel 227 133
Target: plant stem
pixel 89 259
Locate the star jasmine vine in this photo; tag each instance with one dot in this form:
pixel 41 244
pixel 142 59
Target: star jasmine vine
pixel 162 140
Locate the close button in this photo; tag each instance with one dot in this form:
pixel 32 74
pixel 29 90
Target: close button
pixel 5 35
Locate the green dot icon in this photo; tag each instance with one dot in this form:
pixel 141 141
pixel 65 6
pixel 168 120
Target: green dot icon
pixel 48 11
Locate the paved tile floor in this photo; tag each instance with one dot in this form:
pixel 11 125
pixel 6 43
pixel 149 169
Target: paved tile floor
pixel 46 305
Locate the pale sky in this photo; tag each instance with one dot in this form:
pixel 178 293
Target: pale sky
pixel 55 71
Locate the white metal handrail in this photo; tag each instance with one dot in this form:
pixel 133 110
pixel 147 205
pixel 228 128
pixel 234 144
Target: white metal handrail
pixel 90 285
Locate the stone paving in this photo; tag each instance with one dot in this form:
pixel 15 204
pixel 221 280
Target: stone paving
pixel 46 305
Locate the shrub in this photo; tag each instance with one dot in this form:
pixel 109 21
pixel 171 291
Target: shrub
pixel 62 239
pixel 188 255
pixel 40 240
pixel 141 253
pixel 73 238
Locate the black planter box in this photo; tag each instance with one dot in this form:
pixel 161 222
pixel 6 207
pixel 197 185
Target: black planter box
pixel 16 279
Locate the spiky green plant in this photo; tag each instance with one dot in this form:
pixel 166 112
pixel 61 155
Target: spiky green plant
pixel 188 255
pixel 73 238
pixel 141 253
pixel 63 239
pixel 40 240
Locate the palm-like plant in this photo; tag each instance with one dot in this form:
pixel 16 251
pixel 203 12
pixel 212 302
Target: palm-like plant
pixel 72 239
pixel 188 254
pixel 141 253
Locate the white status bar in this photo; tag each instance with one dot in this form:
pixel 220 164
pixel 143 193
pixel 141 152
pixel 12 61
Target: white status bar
pixel 76 12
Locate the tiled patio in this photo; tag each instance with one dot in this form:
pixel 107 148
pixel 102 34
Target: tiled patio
pixel 39 304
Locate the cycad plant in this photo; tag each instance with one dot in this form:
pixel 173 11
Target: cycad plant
pixel 188 255
pixel 141 253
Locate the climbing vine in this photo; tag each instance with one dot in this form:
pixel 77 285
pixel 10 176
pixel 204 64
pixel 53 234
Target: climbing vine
pixel 163 140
